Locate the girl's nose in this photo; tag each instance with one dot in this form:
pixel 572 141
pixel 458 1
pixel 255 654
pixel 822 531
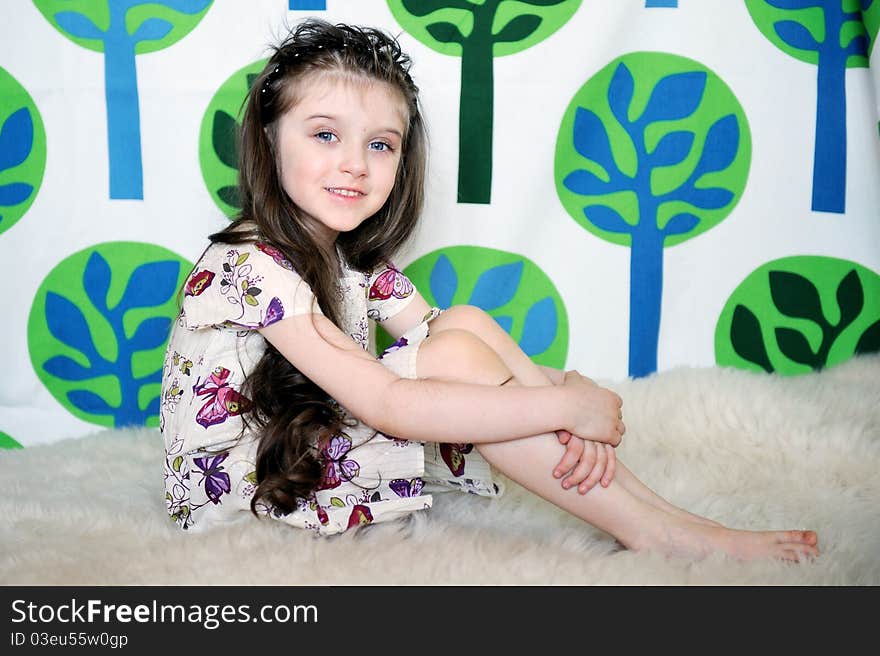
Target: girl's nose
pixel 353 161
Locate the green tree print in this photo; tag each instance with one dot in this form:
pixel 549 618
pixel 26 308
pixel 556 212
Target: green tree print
pixel 477 31
pixel 800 314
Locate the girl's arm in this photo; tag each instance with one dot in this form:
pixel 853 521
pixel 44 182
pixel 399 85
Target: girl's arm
pixel 408 317
pixel 427 410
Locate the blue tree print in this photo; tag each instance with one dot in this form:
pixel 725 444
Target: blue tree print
pixel 307 5
pixel 97 338
pixel 509 287
pixel 122 29
pixel 832 35
pixel 671 155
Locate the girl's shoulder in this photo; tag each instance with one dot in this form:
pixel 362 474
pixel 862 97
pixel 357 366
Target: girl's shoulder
pixel 246 285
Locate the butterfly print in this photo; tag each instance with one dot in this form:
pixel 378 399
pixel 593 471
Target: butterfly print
pixel 399 344
pixel 390 282
pixel 275 312
pixel 407 488
pixel 216 480
pixel 337 466
pixel 223 401
pixel 453 456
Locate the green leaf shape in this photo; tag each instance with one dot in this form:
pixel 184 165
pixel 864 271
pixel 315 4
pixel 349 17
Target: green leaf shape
pixel 218 156
pixel 527 296
pixel 84 21
pixel 817 312
pixel 82 369
pixel 22 172
pixel 746 339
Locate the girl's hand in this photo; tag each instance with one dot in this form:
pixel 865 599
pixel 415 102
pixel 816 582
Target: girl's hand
pixel 596 411
pixel 586 463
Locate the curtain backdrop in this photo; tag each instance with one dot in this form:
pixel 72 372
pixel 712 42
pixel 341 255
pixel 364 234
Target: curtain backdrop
pixel 626 186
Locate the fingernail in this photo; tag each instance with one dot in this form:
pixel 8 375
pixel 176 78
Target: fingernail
pixel 557 473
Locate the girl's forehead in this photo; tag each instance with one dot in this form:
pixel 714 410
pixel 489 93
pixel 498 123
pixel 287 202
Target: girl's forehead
pixel 332 89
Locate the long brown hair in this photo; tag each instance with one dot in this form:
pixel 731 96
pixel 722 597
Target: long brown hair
pixel 291 415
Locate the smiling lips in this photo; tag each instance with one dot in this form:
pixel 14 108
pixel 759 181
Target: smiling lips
pixel 344 192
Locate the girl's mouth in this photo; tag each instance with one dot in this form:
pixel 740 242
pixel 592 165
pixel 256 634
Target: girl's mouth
pixel 345 193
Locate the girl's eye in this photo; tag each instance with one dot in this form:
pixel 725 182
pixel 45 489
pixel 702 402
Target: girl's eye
pixel 325 136
pixel 381 146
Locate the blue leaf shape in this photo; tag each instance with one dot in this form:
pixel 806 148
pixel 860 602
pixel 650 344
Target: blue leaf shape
pixel 89 402
pixel 673 148
pixel 540 327
pixel 150 334
pixel 78 25
pixel 707 199
pixel 681 223
pixel 620 93
pixel 443 282
pixel 505 322
pixel 152 407
pixel 675 97
pixel 607 219
pixel 15 193
pixel 68 325
pixel 155 377
pixel 152 29
pixel 151 284
pixel 590 139
pixel 497 286
pixel 96 280
pixel 585 183
pixel 795 35
pixel 16 139
pixel 720 147
pixel 67 369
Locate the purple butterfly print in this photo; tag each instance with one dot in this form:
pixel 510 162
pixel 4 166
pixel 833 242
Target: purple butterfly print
pixel 337 467
pixel 407 488
pixel 275 312
pixel 216 480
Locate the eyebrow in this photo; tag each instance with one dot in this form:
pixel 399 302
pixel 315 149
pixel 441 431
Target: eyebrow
pixel 394 131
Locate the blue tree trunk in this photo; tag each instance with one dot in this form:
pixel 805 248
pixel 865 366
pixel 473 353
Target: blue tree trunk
pixel 645 293
pixel 829 155
pixel 123 114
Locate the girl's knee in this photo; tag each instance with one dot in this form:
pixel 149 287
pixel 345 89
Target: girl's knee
pixel 459 355
pixel 464 317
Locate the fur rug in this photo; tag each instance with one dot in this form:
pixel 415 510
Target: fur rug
pixel 752 451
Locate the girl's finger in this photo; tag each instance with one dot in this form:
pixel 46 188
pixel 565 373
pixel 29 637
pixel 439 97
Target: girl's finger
pixel 597 471
pixel 611 467
pixel 564 436
pixel 573 451
pixel 584 466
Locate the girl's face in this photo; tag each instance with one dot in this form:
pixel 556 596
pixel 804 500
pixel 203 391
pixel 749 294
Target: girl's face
pixel 338 150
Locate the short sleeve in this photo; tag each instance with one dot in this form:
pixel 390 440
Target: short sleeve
pixel 248 285
pixel 389 291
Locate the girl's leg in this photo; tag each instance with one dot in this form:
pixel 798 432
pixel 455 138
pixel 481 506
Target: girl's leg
pixel 454 354
pixel 526 372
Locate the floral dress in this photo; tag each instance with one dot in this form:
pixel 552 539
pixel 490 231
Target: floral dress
pixel 210 471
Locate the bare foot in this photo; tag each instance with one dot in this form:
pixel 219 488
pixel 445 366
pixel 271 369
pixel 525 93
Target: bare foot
pixel 697 540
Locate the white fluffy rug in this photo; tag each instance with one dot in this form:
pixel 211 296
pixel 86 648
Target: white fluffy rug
pixel 752 451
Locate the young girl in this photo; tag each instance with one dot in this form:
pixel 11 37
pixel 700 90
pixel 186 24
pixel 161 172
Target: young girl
pixel 272 402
